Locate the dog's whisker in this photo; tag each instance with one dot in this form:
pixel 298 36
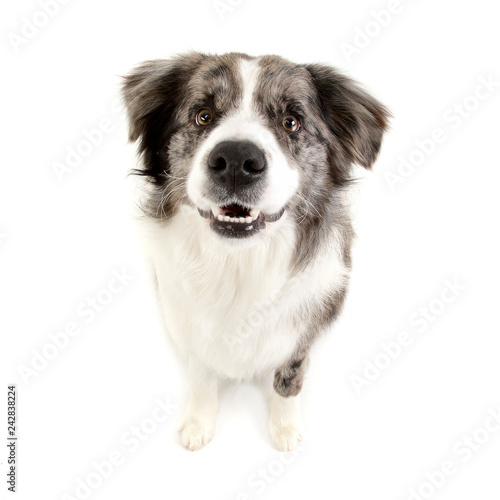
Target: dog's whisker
pixel 309 204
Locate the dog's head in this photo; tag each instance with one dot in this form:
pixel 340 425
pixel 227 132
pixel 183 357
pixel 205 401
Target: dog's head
pixel 245 140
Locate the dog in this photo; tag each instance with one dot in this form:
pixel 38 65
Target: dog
pixel 246 164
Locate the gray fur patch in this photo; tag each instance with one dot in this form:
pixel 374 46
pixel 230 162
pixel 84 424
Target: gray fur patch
pixel 288 378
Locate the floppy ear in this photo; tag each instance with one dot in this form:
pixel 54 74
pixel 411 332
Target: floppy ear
pixel 152 92
pixel 153 85
pixel 144 90
pixel 356 120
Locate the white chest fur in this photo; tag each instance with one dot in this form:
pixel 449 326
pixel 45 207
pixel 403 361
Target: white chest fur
pixel 235 307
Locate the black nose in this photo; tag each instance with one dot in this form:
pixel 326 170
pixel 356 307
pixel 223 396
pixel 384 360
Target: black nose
pixel 236 163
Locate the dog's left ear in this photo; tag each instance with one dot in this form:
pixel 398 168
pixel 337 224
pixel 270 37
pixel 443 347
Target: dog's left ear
pixel 356 120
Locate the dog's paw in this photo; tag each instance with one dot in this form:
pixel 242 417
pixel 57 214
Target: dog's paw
pixel 286 435
pixel 196 432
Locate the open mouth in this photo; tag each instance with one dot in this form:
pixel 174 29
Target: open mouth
pixel 236 221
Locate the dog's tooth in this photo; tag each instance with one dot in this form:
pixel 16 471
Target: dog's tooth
pixel 227 219
pixel 231 219
pixel 248 220
pixel 254 213
pixel 220 217
pixel 242 219
pixel 215 211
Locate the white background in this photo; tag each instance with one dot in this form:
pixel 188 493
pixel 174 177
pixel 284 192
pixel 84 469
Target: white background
pixel 61 240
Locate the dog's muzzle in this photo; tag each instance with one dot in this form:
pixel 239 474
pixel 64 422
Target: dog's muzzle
pixel 237 170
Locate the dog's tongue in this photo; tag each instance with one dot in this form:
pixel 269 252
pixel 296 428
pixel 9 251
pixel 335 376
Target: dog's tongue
pixel 235 211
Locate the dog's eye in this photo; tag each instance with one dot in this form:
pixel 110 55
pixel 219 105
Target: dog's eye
pixel 204 117
pixel 290 123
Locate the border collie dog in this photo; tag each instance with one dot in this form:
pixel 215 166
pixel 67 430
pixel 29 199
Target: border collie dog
pixel 246 163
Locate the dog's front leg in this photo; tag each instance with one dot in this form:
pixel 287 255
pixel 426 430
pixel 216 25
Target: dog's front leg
pixel 198 424
pixel 285 423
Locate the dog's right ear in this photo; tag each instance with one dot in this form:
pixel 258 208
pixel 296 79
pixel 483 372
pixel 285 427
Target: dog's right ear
pixel 152 91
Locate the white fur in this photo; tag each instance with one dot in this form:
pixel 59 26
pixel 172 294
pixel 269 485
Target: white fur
pixel 285 422
pixel 198 424
pixel 232 307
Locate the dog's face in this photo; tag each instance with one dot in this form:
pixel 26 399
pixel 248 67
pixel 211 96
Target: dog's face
pixel 245 140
